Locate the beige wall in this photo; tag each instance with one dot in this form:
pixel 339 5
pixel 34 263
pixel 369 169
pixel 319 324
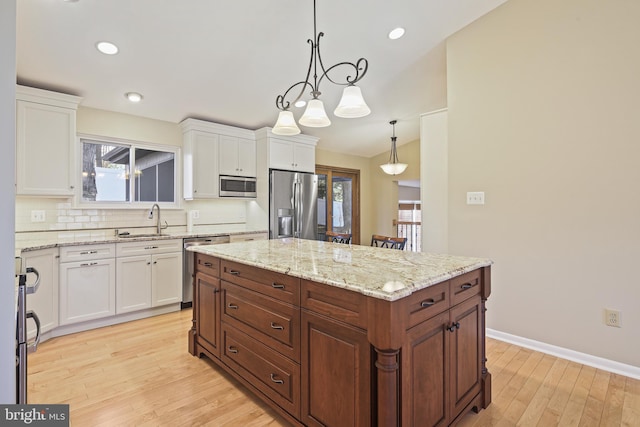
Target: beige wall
pixel 544 117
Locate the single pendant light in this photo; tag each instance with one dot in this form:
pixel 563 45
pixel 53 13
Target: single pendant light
pixel 393 167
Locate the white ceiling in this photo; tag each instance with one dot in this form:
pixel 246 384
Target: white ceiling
pixel 226 61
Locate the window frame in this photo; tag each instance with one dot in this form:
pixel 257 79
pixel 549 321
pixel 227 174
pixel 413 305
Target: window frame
pixel 133 145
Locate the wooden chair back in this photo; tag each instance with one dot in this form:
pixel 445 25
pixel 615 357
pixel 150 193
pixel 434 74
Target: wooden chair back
pixel 338 237
pixel 388 242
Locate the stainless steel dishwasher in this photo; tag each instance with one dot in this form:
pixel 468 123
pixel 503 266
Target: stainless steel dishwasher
pixel 188 263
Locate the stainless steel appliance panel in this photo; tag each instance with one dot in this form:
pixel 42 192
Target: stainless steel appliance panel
pixel 293 205
pixel 188 264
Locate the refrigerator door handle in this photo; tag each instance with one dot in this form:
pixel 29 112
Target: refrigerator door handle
pixel 296 209
pixel 32 346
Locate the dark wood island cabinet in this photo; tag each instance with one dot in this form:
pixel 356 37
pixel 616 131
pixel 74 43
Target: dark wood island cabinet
pixel 336 335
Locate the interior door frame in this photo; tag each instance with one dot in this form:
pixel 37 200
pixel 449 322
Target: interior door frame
pixel 354 174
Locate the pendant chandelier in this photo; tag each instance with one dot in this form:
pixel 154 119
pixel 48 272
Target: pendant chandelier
pixel 393 167
pixel 352 104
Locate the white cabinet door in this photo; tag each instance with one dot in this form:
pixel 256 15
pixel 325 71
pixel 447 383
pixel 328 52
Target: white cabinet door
pixel 200 165
pixel 133 283
pixel 45 136
pixel 247 157
pixel 290 155
pixel 87 290
pixel 167 279
pixel 304 157
pixel 237 156
pixel 281 154
pixel 45 301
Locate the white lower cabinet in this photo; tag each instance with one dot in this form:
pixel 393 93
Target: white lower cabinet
pixel 45 301
pixel 150 278
pixel 87 290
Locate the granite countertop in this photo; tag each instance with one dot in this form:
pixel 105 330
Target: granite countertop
pixel 46 240
pixel 387 274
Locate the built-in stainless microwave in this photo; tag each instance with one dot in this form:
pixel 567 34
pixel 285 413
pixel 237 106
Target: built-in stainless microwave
pixel 237 186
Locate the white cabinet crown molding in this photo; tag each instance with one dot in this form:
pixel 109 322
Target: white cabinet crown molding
pixel 200 125
pixel 266 132
pixel 41 96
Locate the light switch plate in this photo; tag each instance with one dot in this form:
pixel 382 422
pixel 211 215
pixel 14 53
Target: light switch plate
pixel 195 214
pixel 475 198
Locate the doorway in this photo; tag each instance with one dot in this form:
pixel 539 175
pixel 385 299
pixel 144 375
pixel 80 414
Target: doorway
pixel 338 201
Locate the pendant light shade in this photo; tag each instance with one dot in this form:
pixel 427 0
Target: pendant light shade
pixel 286 124
pixel 315 116
pixel 352 104
pixel 393 167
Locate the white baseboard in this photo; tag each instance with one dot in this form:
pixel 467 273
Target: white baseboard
pixel 564 353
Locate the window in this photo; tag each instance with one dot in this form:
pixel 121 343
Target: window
pixel 121 172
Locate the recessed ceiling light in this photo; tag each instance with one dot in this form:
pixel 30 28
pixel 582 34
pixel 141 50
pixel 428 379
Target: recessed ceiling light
pixel 71 1
pixel 107 48
pixel 133 96
pixel 396 33
pixel 301 103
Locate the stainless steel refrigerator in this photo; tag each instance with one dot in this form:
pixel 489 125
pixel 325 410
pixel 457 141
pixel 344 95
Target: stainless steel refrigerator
pixel 293 199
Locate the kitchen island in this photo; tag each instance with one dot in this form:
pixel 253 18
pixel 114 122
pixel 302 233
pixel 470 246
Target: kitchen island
pixel 340 335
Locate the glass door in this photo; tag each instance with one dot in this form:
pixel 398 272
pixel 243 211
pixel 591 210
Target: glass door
pixel 338 202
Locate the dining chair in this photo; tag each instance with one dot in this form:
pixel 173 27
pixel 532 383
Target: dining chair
pixel 388 242
pixel 332 236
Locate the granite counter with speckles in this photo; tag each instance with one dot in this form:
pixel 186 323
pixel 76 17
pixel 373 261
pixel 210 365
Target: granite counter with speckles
pixel 382 273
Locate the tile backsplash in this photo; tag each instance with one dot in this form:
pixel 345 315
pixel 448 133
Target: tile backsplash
pixel 61 215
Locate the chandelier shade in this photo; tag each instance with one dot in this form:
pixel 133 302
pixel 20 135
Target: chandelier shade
pixel 393 166
pixel 352 104
pixel 315 116
pixel 286 124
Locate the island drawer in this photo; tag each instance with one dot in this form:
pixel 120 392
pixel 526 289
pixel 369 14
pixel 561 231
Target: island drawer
pixel 207 264
pixel 465 286
pixel 340 304
pixel 274 375
pixel 277 285
pixel 427 302
pixel 270 321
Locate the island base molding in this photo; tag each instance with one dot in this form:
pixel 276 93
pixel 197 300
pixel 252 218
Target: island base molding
pixel 324 356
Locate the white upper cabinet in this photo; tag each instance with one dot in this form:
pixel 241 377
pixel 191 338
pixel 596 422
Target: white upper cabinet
pixel 294 153
pixel 237 156
pixel 45 138
pixel 211 150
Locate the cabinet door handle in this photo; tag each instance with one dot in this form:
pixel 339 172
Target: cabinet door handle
pixel 454 326
pixel 155 262
pixel 207 264
pixel 276 326
pixel 149 263
pixel 88 264
pixel 232 349
pixel 234 272
pixel 466 286
pixel 88 252
pixel 427 303
pixel 275 380
pixel 275 285
pixel 216 290
pixel 232 306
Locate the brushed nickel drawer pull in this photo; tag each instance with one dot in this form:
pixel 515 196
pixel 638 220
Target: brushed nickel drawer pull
pixel 232 349
pixel 151 247
pixel 88 264
pixel 275 380
pixel 427 303
pixel 88 252
pixel 234 272
pixel 207 264
pixel 232 306
pixel 276 326
pixel 275 285
pixel 467 286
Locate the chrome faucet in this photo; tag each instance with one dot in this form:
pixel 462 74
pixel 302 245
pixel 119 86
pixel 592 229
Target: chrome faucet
pixel 159 225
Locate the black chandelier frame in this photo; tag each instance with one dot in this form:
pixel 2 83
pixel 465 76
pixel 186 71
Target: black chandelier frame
pixel 359 68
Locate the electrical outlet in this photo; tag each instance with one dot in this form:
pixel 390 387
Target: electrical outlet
pixel 612 318
pixel 195 214
pixel 475 198
pixel 37 216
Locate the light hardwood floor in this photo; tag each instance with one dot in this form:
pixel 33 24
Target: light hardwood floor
pixel 140 374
